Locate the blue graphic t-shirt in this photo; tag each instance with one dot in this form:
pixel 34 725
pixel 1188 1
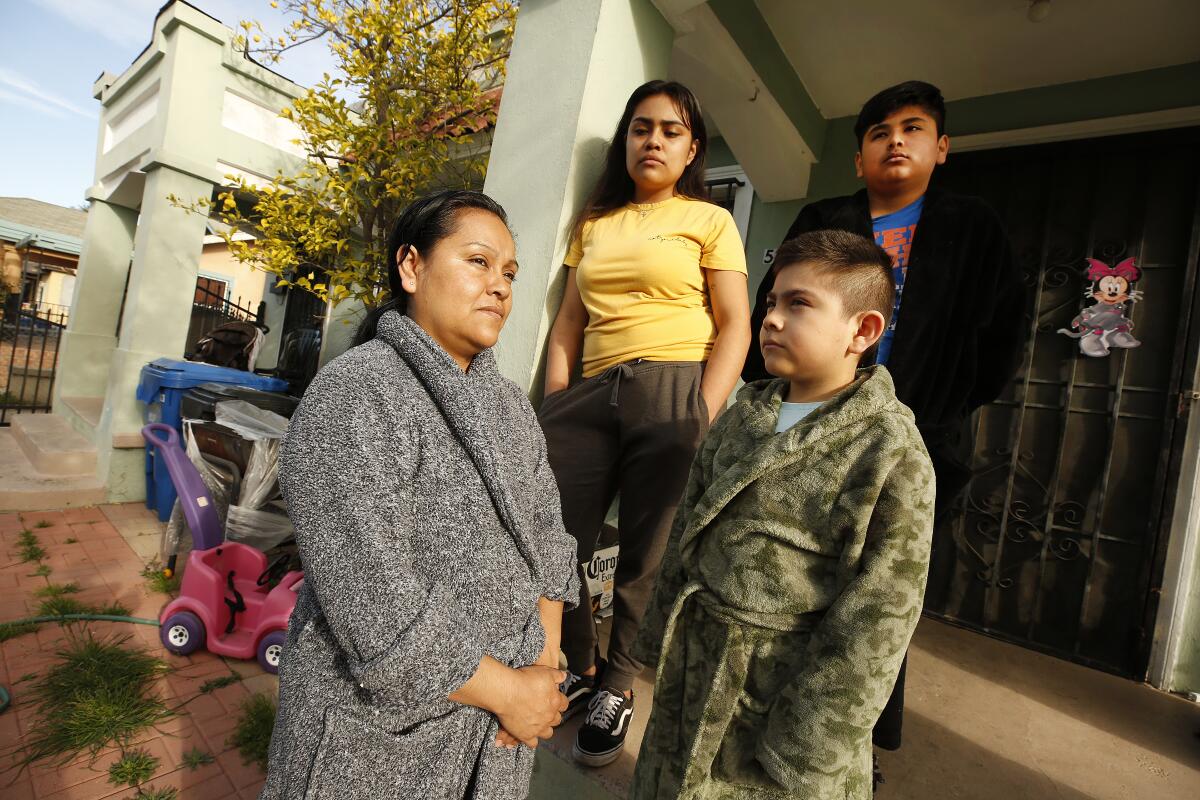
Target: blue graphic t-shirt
pixel 894 233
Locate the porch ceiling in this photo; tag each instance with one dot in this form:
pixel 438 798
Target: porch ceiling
pixel 845 52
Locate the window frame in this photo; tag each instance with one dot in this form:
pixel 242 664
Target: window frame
pixel 743 195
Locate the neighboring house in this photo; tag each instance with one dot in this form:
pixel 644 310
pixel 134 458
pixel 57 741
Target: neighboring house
pixel 226 288
pixel 223 275
pixel 41 243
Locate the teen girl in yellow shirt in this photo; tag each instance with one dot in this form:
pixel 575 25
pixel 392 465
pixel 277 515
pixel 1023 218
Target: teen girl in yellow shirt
pixel 656 308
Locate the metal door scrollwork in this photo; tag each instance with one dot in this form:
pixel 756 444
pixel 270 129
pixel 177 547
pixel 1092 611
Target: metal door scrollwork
pixel 1054 542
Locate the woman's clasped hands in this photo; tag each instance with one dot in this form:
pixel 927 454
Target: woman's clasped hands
pixel 526 700
pixel 534 708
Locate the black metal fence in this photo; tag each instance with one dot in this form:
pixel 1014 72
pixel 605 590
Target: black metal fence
pixel 29 341
pixel 211 310
pixel 300 342
pixel 53 311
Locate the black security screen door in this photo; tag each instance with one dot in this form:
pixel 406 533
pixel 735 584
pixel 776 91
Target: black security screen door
pixel 1058 542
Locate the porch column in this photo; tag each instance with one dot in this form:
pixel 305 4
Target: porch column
pixel 573 65
pixel 158 304
pixel 91 333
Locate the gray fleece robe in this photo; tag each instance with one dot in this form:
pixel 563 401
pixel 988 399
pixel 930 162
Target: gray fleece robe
pixel 429 524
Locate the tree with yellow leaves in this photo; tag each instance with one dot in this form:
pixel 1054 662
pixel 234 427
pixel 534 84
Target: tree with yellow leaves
pixel 409 111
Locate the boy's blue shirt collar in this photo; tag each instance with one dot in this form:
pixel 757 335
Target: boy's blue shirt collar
pixel 913 209
pixel 862 202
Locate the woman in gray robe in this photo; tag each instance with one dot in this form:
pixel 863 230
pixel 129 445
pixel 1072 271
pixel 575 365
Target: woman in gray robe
pixel 422 655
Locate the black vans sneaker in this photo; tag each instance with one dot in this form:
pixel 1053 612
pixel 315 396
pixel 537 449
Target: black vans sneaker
pixel 579 689
pixel 603 733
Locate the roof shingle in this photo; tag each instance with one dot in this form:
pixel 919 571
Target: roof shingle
pixel 46 216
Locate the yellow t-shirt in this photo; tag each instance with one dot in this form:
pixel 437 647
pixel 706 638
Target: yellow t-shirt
pixel 641 274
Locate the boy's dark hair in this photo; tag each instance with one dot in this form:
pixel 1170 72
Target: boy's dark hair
pixel 924 96
pixel 859 270
pixel 422 225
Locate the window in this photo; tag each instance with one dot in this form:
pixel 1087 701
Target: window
pixel 210 292
pixel 730 188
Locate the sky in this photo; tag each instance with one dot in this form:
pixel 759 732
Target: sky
pixel 53 52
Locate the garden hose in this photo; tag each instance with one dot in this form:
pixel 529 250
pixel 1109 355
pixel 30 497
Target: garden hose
pixel 5 699
pixel 97 617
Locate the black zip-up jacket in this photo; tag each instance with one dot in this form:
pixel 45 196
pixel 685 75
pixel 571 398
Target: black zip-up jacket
pixel 961 326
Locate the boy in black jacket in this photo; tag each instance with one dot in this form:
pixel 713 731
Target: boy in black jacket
pixel 958 326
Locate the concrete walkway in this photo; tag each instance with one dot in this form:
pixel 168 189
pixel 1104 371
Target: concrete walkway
pixel 985 720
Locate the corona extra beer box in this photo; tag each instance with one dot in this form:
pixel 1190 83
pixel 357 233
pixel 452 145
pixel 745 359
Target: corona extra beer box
pixel 601 570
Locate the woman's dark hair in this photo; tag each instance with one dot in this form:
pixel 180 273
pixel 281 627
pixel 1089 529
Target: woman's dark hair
pixel 614 188
pixel 422 225
pixel 924 96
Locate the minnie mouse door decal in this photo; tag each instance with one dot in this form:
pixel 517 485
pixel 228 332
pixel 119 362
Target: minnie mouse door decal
pixel 1104 325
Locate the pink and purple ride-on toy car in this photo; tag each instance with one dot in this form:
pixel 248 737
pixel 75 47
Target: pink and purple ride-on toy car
pixel 226 601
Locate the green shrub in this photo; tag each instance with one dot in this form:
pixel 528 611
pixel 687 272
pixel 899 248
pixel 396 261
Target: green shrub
pixel 197 758
pixel 219 683
pixel 252 736
pixel 133 768
pixel 157 581
pixel 29 548
pixel 100 692
pixel 57 590
pixel 11 630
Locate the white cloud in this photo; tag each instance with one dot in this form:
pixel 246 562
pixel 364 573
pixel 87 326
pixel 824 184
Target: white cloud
pixel 27 102
pixel 22 90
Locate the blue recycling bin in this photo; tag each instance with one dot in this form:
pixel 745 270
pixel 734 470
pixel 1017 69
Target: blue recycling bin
pixel 161 388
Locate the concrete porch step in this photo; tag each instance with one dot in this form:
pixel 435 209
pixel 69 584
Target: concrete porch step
pixel 24 488
pixel 83 413
pixel 53 447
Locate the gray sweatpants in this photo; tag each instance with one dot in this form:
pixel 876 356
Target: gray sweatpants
pixel 634 429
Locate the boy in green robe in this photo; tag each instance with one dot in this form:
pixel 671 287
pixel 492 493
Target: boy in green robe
pixel 796 567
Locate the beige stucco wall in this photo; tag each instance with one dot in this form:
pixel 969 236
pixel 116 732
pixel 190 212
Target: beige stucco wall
pixel 56 288
pixel 246 284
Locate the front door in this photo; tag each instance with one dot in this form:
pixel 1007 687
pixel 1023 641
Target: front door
pixel 1058 541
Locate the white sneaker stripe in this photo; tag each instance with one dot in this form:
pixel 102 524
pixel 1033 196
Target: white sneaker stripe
pixel 625 715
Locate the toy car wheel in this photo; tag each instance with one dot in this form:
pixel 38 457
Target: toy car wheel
pixel 270 650
pixel 182 633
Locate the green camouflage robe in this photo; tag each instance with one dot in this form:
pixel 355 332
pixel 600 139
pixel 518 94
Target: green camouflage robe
pixel 791 586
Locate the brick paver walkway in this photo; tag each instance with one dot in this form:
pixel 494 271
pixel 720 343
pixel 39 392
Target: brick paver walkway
pixel 985 720
pixel 104 551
